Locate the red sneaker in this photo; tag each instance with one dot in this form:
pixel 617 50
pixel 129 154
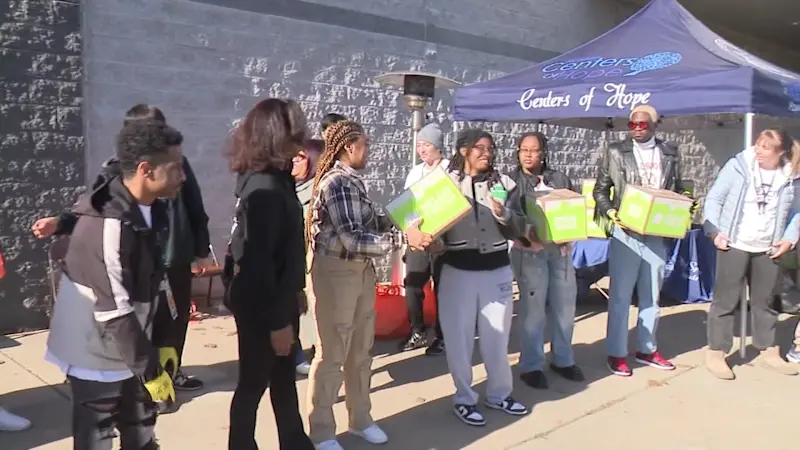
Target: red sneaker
pixel 619 366
pixel 654 360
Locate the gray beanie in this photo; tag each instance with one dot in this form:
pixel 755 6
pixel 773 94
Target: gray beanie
pixel 432 134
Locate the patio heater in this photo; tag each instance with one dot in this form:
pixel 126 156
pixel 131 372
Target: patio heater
pixel 418 91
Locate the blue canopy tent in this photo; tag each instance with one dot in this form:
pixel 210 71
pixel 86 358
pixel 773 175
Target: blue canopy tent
pixel 662 55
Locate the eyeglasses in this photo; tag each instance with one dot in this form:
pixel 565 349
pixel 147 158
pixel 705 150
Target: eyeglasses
pixel 638 126
pixel 483 149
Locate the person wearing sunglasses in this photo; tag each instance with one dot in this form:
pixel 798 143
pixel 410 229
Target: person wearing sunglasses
pixel 635 260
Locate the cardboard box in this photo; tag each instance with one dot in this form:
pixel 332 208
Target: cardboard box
pixel 587 189
pixel 655 212
pixel 558 216
pixel 436 198
pixel 593 230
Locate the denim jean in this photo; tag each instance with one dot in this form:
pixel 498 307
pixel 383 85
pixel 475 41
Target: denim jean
pixel 634 261
pixel 547 291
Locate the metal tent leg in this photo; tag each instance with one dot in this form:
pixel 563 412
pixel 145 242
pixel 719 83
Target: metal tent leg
pixel 748 140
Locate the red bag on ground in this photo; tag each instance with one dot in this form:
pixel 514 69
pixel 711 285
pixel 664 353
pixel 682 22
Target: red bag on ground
pixel 2 266
pixel 391 312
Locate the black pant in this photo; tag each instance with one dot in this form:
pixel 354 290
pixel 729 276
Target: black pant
pixel 734 268
pixel 260 368
pixel 419 269
pixel 98 408
pixel 166 331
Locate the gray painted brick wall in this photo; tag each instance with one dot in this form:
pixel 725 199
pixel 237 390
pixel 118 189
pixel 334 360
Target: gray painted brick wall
pixel 206 65
pixel 41 143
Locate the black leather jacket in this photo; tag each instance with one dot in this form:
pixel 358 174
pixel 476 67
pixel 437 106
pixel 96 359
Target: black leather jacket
pixel 617 167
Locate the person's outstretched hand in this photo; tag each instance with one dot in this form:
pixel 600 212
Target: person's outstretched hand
pixel 43 228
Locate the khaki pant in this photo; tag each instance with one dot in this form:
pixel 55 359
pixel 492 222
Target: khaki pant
pixel 344 309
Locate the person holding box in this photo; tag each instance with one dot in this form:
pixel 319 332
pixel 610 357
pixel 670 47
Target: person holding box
pixel 346 230
pixel 751 214
pixel 476 277
pixel 635 260
pixel 114 275
pixel 544 273
pixel 419 265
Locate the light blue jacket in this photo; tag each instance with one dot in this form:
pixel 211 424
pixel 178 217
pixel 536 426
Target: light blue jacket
pixel 725 201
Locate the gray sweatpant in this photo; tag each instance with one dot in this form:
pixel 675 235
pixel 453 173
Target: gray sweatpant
pixel 485 299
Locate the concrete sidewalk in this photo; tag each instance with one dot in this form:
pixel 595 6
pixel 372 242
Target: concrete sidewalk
pixel 685 409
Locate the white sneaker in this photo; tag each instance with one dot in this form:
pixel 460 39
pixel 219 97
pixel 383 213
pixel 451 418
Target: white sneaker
pixel 329 445
pixel 12 422
pixel 372 434
pixel 303 368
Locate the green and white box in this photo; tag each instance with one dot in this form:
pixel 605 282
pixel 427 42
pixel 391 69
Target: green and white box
pixel 558 216
pixel 436 198
pixel 655 212
pixel 593 230
pixel 587 189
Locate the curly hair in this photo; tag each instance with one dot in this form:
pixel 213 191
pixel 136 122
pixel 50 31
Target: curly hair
pixel 467 139
pixel 145 140
pixel 337 136
pixel 269 136
pixel 144 111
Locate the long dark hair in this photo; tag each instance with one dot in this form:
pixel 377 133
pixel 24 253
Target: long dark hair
pixel 467 139
pixel 542 142
pixel 269 136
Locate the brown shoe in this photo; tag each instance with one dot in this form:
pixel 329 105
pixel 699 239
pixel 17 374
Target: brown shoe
pixel 770 358
pixel 716 364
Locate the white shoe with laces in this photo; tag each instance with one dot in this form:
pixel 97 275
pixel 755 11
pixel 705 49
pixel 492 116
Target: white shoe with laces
pixel 329 445
pixel 12 422
pixel 372 434
pixel 303 368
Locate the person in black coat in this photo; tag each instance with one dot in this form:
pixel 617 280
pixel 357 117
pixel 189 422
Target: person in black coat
pixel 187 242
pixel 266 270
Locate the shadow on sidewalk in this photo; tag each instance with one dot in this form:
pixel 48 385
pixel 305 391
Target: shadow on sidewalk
pixel 429 426
pixel 432 425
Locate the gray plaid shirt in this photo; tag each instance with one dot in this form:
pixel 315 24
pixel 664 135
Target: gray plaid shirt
pixel 345 223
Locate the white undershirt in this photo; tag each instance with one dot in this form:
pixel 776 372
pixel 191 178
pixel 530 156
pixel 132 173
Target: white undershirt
pixel 147 213
pixel 102 376
pixel 648 160
pixel 422 169
pixel 757 224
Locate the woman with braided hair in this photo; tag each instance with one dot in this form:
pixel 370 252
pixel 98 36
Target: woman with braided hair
pixel 475 287
pixel 345 231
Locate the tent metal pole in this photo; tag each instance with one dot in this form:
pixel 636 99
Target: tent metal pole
pixel 744 297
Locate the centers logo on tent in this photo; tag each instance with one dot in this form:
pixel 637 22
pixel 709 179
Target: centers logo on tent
pixel 601 67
